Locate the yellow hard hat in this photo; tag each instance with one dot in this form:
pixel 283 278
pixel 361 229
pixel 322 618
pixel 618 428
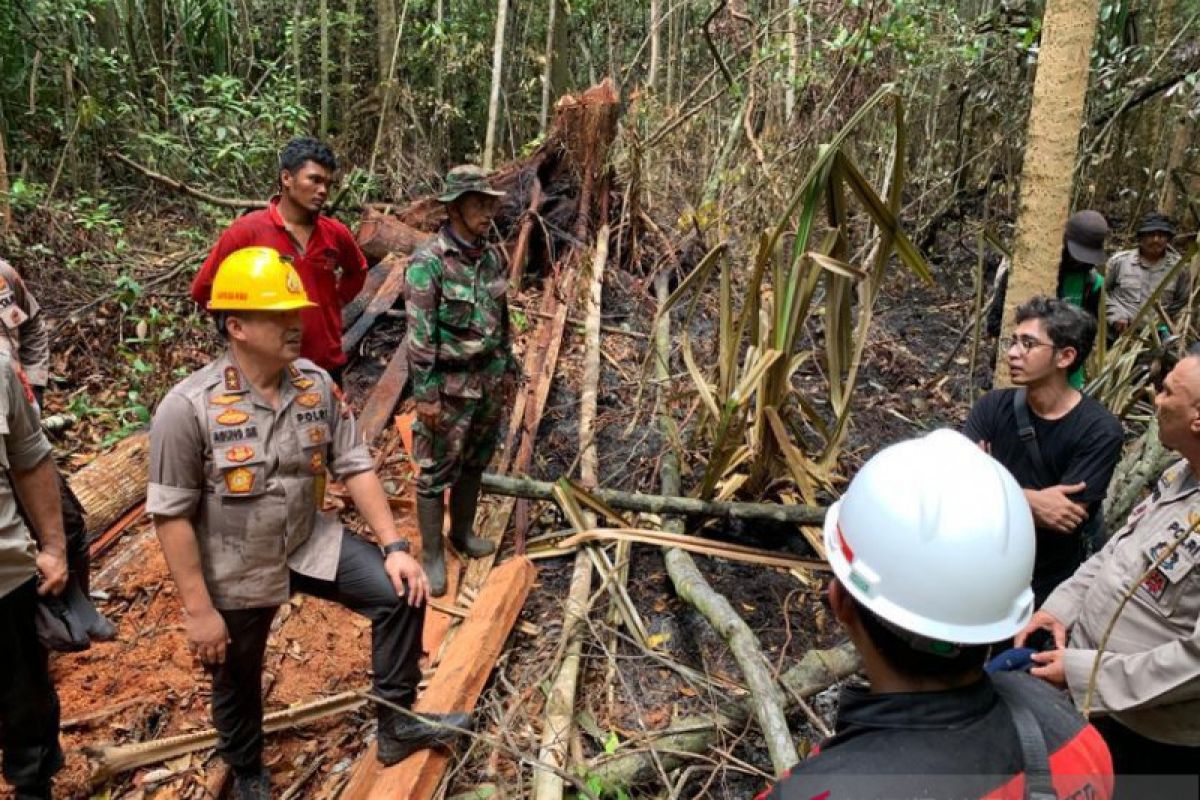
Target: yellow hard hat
pixel 257 279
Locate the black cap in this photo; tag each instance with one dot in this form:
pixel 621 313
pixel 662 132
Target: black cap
pixel 1156 222
pixel 1085 235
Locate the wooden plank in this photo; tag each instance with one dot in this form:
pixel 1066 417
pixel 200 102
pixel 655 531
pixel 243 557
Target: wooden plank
pixel 455 686
pixel 385 298
pixel 384 397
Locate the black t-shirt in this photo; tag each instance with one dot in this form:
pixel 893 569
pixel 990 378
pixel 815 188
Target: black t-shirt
pixel 1081 447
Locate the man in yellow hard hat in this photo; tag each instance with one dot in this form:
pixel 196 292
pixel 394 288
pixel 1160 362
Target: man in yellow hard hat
pixel 239 456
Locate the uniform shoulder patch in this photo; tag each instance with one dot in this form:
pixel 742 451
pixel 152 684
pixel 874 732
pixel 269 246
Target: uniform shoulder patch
pixel 233 379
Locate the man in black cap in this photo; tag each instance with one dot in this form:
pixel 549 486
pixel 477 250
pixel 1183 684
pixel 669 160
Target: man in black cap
pixel 1078 281
pixel 1133 275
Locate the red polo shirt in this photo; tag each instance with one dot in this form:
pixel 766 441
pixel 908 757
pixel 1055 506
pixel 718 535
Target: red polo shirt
pixel 330 248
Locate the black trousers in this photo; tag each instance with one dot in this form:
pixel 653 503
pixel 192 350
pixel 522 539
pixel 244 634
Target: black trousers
pixel 28 703
pixel 361 585
pixel 1146 768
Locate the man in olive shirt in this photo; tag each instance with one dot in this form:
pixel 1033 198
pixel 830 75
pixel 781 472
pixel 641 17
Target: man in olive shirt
pixel 238 462
pixel 28 703
pixel 1133 275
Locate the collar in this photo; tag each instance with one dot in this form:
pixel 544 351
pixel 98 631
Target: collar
pixel 1179 482
pixel 951 708
pixel 456 244
pixel 229 379
pixel 277 218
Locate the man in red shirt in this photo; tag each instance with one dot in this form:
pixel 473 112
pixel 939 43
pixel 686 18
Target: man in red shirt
pixel 323 251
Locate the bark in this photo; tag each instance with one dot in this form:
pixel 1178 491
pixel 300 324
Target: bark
pixel 1052 144
pixel 323 19
pixel 657 504
pixel 1181 140
pixel 552 11
pixel 385 15
pixel 655 42
pixel 382 234
pixel 489 146
pixel 297 24
pixel 817 671
pixel 114 482
pixel 793 68
pixel 5 206
pixel 346 89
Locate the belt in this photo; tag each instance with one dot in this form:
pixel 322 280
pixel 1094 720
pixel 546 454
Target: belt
pixel 465 364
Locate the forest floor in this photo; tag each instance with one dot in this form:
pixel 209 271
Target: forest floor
pixel 145 685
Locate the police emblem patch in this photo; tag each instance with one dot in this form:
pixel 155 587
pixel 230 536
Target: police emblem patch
pixel 233 379
pixel 239 453
pixel 239 480
pixel 232 417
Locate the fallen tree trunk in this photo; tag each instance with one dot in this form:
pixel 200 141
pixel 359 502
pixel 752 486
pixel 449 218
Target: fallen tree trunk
pixel 380 235
pixel 658 504
pixel 384 397
pixel 766 698
pixel 389 292
pixel 113 482
pixel 669 749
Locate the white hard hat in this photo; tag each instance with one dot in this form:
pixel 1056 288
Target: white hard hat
pixel 935 537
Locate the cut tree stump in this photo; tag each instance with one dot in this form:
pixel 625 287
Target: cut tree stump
pixel 113 482
pixel 380 235
pixel 456 685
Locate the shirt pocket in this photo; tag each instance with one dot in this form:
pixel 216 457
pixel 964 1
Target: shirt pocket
pixel 241 472
pixel 457 308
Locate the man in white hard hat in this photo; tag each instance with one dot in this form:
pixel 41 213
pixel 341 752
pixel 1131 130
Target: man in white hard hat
pixel 932 550
pixel 1146 687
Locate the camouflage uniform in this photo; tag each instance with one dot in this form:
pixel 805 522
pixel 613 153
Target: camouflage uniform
pixel 459 355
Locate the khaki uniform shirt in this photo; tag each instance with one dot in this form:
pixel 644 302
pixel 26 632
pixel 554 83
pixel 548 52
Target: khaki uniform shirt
pixel 1130 283
pixel 1149 676
pixel 23 334
pixel 251 478
pixel 22 447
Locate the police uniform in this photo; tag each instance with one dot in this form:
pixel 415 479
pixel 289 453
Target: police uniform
pixel 1149 676
pixel 1130 282
pixel 29 712
pixel 23 334
pixel 251 479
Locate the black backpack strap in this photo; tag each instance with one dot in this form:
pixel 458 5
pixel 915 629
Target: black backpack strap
pixel 1028 437
pixel 1035 758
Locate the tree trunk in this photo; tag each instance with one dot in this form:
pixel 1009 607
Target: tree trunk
pixel 793 67
pixel 1181 140
pixel 5 207
pixel 297 23
pixel 489 145
pixel 655 42
pixel 385 14
pixel 108 24
pixel 323 18
pixel 345 88
pixel 554 77
pixel 1052 143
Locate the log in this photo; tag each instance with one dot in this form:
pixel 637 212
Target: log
pixel 375 277
pixel 384 397
pixel 113 482
pixel 766 697
pixel 519 254
pixel 658 504
pixel 380 235
pixel 455 686
pixel 115 759
pixel 669 749
pixel 389 292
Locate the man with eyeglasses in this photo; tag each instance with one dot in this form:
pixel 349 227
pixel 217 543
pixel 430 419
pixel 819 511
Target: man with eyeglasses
pixel 1060 444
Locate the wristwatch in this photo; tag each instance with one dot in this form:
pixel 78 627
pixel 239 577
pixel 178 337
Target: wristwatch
pixel 398 546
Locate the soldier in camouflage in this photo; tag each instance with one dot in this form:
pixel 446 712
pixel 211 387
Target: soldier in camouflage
pixel 461 364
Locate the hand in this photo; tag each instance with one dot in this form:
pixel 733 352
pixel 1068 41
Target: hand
pixel 207 636
pixel 407 577
pixel 1052 669
pixel 1053 509
pixel 53 566
pixel 1043 620
pixel 428 412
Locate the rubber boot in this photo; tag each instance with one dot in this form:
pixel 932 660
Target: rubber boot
pixel 252 786
pixel 433 557
pixel 402 734
pixel 464 499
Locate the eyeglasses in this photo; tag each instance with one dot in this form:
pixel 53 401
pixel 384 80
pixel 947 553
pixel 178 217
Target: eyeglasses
pixel 1025 343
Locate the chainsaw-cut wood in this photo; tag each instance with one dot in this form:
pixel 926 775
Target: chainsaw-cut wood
pixel 658 504
pixel 389 292
pixel 99 545
pixel 517 268
pixel 113 482
pixel 456 685
pixel 375 278
pixel 380 235
pixel 384 397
